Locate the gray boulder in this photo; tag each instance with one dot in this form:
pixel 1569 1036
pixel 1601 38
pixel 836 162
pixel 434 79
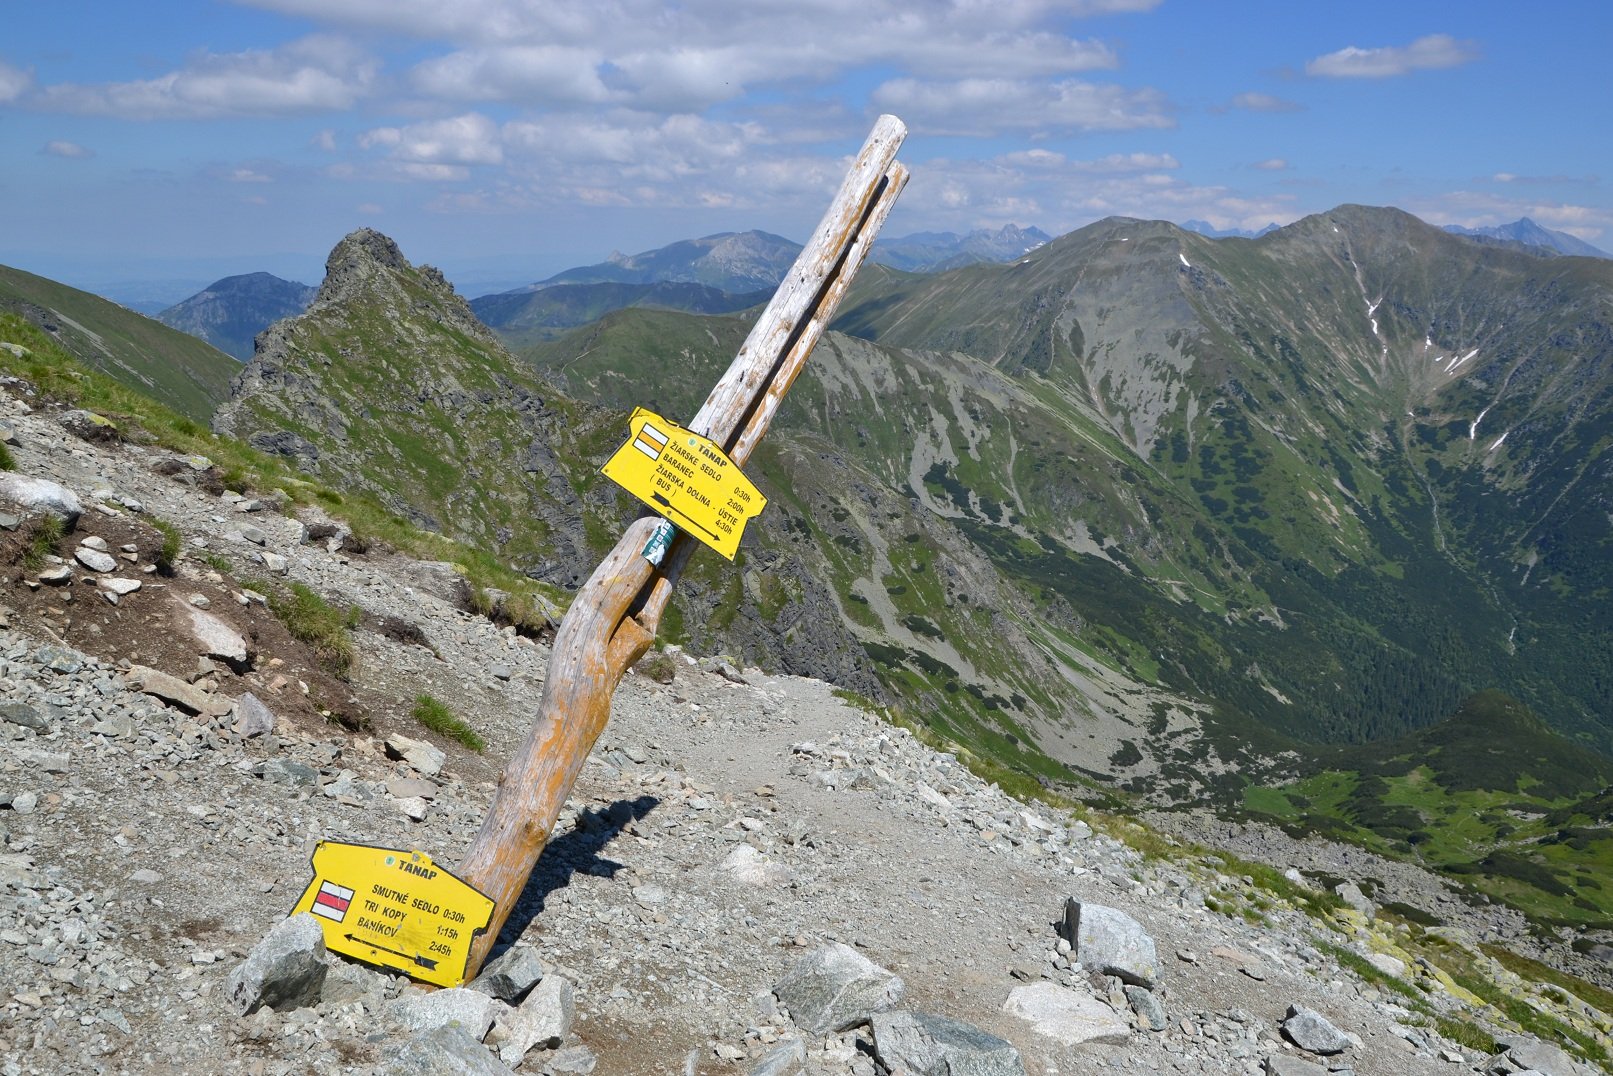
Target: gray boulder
pixel 470 1009
pixel 1147 1007
pixel 1310 1030
pixel 835 988
pixel 927 1045
pixel 40 495
pixel 1351 894
pixel 252 718
pixel 215 638
pixel 1526 1053
pixel 1065 1015
pixel 1108 940
pixel 508 977
pixel 788 1058
pixel 424 757
pixel 543 1019
pixel 95 560
pixel 173 690
pixel 1284 1065
pixel 286 970
pixel 20 713
pixel 445 1051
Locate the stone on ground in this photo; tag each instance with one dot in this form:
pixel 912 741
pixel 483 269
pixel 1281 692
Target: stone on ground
pixel 511 974
pixel 1523 1052
pixel 835 988
pixel 424 757
pixel 470 1009
pixel 1310 1030
pixel 445 1051
pixel 252 718
pixel 215 638
pixel 788 1058
pixel 928 1045
pixel 543 1019
pixel 40 494
pixel 1066 1015
pixel 1108 940
pixel 284 971
pixel 1284 1065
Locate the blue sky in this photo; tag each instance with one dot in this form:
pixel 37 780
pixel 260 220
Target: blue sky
pixel 504 140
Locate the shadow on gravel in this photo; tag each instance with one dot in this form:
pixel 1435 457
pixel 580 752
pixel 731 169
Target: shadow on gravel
pixel 576 850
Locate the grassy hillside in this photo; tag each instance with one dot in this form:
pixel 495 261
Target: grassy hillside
pixel 1489 795
pixel 189 375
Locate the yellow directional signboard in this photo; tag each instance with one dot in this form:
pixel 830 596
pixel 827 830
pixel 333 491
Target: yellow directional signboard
pixel 394 908
pixel 687 479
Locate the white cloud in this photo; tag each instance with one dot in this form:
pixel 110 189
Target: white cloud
pixel 247 175
pixel 461 140
pixel 314 74
pixel 1271 164
pixel 369 209
pixel 528 74
pixel 60 148
pixel 1426 53
pixel 989 106
pixel 1265 102
pixel 14 82
pixel 325 140
pixel 687 56
pixel 1024 189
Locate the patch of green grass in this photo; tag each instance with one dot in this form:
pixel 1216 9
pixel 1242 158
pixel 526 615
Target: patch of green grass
pixel 312 620
pixel 1366 971
pixel 168 553
pixel 8 462
pixel 1600 997
pixel 1529 1018
pixel 444 722
pixel 45 532
pixel 658 666
pixel 1465 1033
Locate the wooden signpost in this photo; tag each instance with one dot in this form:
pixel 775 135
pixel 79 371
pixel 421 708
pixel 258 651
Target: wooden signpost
pixel 614 617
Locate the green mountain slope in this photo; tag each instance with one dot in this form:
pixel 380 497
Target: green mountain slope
pixel 530 315
pixel 1489 795
pixel 1320 394
pixel 189 375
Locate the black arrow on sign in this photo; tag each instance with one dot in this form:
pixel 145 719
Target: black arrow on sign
pixel 422 961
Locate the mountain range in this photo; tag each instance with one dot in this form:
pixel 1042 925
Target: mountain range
pixel 1141 509
pixel 231 312
pixel 1530 234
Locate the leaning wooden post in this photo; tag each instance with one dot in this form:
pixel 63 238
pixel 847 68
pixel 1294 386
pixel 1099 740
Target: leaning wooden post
pixel 613 619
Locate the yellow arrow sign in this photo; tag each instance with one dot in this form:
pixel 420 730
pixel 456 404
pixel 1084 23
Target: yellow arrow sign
pixel 686 478
pixel 396 909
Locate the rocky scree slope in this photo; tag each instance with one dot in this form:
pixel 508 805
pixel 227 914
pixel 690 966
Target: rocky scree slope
pixel 732 831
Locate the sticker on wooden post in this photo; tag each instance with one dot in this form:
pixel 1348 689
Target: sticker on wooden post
pixel 688 479
pixel 396 909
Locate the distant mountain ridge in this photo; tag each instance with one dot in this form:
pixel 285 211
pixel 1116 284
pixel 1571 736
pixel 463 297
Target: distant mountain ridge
pixel 229 313
pixel 727 261
pixel 1530 234
pixel 1210 231
pixel 933 252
